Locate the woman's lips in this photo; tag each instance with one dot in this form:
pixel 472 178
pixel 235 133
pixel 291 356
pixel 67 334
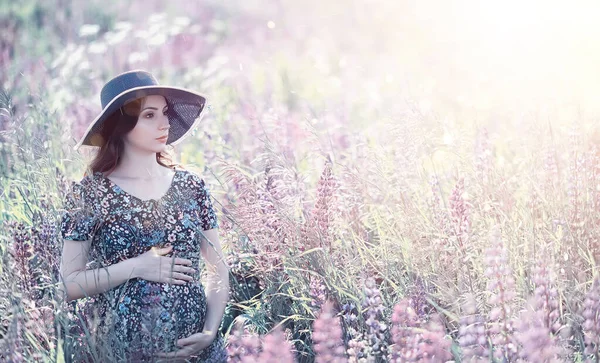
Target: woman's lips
pixel 162 139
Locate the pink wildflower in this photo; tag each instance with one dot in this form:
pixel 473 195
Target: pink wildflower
pixel 327 337
pixel 275 348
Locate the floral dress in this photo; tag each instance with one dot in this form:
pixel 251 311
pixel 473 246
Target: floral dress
pixel 139 318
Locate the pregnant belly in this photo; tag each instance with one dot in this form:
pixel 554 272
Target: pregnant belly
pixel 152 316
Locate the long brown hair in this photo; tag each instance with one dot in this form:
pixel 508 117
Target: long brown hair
pixel 113 131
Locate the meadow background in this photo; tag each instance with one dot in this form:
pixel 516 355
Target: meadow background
pixel 395 180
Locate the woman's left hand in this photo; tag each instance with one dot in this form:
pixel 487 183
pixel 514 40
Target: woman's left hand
pixel 190 346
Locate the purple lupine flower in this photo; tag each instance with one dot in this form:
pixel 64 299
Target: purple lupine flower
pixel 416 341
pixel 22 253
pixel 546 299
pixel 591 324
pixel 357 346
pixel 405 339
pixel 471 334
pixel 318 293
pixel 275 348
pixel 348 314
pixel 47 255
pixel 459 215
pixel 501 285
pixel 434 347
pixel 472 338
pixel 242 347
pixel 327 337
pixel 418 298
pixel 373 314
pixel 538 344
pixel 321 216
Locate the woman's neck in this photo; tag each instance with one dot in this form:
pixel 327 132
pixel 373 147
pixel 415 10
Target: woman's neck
pixel 138 165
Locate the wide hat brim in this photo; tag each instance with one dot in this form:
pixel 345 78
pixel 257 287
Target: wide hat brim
pixel 186 109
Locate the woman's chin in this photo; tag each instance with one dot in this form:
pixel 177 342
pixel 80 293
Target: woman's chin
pixel 160 147
pixel 155 149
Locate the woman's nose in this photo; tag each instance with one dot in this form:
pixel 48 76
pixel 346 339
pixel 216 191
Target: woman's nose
pixel 165 125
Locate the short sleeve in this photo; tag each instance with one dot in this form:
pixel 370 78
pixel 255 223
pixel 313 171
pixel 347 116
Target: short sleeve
pixel 78 219
pixel 208 217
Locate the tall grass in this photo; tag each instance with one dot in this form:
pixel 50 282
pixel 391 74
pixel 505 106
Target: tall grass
pixel 361 222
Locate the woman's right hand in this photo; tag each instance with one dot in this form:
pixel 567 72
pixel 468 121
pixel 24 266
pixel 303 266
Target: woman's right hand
pixel 154 266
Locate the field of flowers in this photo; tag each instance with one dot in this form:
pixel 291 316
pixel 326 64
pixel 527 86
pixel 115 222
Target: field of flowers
pixel 391 184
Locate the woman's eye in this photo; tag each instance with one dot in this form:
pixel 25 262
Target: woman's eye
pixel 151 114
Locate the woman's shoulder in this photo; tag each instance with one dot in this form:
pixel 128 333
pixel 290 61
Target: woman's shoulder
pixel 192 176
pixel 194 181
pixel 78 193
pixel 87 185
pixel 88 181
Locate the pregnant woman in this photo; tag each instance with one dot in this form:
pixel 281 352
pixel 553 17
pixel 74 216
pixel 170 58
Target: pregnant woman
pixel 147 226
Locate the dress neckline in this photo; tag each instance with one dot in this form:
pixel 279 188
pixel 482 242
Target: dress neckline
pixel 117 188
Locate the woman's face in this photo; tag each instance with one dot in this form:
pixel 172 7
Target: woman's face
pixel 152 124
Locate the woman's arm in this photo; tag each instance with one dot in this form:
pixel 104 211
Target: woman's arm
pixel 77 282
pixel 152 265
pixel 217 292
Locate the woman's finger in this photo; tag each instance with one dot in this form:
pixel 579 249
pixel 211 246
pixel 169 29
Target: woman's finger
pixel 182 261
pixel 181 353
pixel 182 276
pixel 174 262
pixel 174 281
pixel 183 269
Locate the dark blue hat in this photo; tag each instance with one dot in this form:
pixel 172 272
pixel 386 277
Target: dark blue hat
pixel 185 107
